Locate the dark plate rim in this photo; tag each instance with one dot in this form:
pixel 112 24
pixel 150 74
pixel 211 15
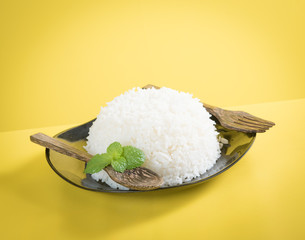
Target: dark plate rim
pixel 47 154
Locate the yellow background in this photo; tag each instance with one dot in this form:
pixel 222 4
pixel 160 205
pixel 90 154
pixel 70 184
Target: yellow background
pixel 60 61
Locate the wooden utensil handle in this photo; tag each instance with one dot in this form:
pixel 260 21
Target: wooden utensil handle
pixel 209 107
pixel 58 146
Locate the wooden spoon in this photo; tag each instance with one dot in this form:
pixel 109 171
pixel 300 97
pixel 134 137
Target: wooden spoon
pixel 137 179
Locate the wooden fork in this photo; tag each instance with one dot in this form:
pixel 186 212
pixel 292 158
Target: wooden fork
pixel 235 120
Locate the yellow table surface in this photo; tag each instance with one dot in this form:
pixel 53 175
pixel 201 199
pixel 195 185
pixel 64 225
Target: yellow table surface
pixel 261 197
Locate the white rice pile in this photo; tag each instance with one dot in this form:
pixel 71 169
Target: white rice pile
pixel 173 130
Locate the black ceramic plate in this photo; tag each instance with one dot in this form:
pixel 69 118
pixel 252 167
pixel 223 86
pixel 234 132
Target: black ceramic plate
pixel 72 170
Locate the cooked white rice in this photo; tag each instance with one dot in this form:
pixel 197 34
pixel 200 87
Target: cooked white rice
pixel 173 129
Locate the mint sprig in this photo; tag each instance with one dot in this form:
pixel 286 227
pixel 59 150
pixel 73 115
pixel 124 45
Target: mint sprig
pixel 134 156
pixel 98 162
pixel 120 158
pixel 119 165
pixel 115 150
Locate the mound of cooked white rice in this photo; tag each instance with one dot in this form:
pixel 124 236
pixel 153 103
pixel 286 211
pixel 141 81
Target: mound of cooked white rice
pixel 173 130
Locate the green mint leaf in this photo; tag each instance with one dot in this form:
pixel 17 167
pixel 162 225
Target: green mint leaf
pixel 134 156
pixel 98 162
pixel 119 164
pixel 115 150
